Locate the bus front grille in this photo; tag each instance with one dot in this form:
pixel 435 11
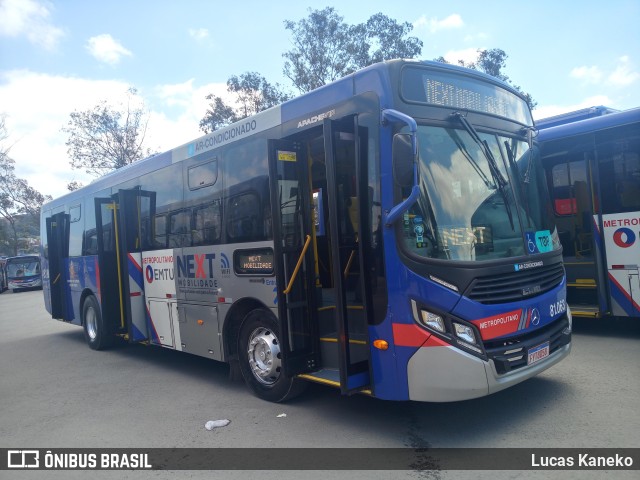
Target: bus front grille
pixel 515 286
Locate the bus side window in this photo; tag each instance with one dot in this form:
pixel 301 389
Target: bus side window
pixel 243 218
pixel 160 230
pixel 179 229
pixel 206 221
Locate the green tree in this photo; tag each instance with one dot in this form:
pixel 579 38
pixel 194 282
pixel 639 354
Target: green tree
pixel 105 138
pixel 325 48
pixel 253 94
pixel 492 62
pixel 19 202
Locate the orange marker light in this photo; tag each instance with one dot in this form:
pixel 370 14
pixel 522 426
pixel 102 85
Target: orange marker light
pixel 200 322
pixel 381 344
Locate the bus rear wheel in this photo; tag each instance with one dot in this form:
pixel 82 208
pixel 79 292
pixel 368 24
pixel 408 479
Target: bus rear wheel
pixel 260 358
pixel 96 331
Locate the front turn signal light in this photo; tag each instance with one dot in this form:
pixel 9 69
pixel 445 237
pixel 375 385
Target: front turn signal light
pixel 381 344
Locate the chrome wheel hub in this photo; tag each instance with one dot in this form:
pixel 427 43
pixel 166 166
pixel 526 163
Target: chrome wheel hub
pixel 91 322
pixel 264 356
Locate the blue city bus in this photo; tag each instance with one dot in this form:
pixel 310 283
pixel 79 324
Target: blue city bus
pixel 593 172
pixel 388 234
pixel 23 272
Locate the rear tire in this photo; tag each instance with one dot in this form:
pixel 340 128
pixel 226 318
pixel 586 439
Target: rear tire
pixel 261 359
pixel 96 331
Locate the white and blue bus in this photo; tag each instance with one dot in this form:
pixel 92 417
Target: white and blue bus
pixel 592 160
pixel 389 234
pixel 22 272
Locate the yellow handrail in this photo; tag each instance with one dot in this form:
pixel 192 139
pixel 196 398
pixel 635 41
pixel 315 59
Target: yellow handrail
pixel 295 270
pixel 349 262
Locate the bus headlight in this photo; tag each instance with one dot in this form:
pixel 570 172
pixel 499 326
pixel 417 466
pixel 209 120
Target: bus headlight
pixel 452 330
pixel 465 333
pixel 431 320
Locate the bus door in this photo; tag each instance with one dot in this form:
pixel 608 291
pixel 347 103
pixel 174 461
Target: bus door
pixel 322 296
pixel 347 296
pixel 292 229
pixel 122 231
pixel 57 252
pixel 577 217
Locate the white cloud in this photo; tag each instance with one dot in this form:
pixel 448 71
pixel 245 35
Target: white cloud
pixel 107 49
pixel 199 33
pixel 474 38
pixel 190 104
pixel 434 25
pixel 29 18
pixel 588 75
pixel 38 105
pixel 623 75
pixel 469 55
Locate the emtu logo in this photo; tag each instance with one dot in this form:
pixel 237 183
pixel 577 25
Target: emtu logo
pixel 149 274
pixel 624 237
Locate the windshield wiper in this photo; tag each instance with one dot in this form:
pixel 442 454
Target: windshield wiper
pixel 514 168
pixel 465 153
pixel 527 174
pixel 499 179
pixel 491 160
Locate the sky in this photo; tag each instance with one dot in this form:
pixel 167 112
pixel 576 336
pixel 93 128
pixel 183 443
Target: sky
pixel 61 56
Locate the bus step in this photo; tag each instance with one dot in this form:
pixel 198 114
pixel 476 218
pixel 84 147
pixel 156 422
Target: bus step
pixel 358 347
pixel 585 311
pixel 328 376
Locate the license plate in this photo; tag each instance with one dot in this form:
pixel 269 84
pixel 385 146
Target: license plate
pixel 538 353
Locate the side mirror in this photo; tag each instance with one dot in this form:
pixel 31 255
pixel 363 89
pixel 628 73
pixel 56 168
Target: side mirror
pixel 403 159
pixel 404 166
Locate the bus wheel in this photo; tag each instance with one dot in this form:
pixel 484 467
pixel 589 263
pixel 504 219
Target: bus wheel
pixel 261 359
pixel 95 329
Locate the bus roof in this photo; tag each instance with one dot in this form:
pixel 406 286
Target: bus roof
pixel 33 256
pixel 590 125
pixel 574 116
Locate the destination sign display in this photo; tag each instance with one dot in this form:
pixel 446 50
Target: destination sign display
pixel 460 92
pixel 257 261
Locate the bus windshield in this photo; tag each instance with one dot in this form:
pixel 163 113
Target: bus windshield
pixel 481 198
pixel 27 267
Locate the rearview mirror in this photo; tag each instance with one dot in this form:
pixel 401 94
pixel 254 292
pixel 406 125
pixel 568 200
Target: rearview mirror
pixel 403 159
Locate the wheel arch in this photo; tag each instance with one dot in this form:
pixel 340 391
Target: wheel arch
pixel 233 322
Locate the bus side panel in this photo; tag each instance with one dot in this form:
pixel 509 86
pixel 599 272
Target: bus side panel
pixel 405 337
pixel 621 236
pixel 81 274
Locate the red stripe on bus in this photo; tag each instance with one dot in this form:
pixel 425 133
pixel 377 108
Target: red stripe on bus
pixel 409 335
pixel 134 261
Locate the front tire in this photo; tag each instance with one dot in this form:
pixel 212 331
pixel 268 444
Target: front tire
pixel 260 359
pixel 96 331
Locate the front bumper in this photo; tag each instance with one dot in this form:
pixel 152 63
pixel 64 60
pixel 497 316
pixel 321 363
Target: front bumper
pixel 447 374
